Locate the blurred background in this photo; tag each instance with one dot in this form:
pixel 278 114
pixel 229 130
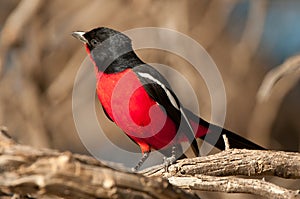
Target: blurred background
pixel 248 40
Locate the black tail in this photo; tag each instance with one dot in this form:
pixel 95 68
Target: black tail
pixel 235 141
pixel 214 135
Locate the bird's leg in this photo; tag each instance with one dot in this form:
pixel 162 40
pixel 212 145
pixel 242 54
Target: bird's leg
pixel 168 161
pixel 140 163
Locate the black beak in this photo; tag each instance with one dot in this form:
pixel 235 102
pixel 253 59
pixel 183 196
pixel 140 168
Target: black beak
pixel 79 35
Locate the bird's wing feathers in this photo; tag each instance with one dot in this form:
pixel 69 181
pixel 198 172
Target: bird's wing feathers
pixel 159 89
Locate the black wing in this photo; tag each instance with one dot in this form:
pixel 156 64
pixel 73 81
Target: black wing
pixel 159 89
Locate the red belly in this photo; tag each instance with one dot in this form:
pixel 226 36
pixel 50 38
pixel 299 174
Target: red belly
pixel 128 104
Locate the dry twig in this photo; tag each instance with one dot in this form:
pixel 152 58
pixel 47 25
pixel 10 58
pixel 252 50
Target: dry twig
pixel 12 28
pixel 276 85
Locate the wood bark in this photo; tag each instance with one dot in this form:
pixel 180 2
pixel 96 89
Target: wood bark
pixel 44 173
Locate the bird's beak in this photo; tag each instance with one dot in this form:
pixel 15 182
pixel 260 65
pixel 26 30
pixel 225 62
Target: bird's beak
pixel 79 35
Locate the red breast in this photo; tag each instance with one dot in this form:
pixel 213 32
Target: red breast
pixel 126 101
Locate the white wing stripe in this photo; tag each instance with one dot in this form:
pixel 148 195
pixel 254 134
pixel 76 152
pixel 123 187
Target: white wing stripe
pixel 172 100
pixel 169 94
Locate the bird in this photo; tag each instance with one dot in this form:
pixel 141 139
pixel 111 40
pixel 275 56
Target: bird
pixel 140 101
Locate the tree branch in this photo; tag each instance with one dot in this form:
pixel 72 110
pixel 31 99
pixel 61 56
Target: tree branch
pixel 233 185
pixel 43 172
pixel 236 162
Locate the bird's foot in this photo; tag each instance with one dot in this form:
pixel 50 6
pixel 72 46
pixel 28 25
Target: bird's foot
pixel 140 163
pixel 170 160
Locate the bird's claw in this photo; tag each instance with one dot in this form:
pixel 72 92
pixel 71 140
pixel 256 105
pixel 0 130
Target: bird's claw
pixel 140 163
pixel 170 160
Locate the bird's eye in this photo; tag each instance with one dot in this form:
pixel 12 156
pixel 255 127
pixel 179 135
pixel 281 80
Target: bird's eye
pixel 94 42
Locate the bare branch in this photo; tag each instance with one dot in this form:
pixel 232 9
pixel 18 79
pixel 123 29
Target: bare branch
pixel 290 66
pixel 44 172
pixel 25 170
pixel 236 162
pixel 276 85
pixel 250 39
pixel 12 28
pixel 234 185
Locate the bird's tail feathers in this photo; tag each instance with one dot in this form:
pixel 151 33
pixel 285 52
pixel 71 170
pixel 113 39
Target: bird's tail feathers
pixel 213 134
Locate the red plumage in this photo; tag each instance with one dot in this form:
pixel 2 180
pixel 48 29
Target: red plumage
pixel 141 102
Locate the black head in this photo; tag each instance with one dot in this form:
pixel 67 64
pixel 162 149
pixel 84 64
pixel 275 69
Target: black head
pixel 102 35
pixel 110 49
